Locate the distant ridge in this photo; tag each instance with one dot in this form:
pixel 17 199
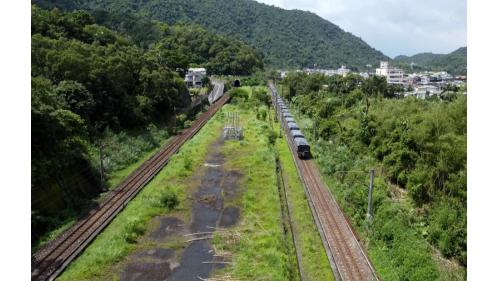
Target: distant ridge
pixel 287 38
pixel 454 62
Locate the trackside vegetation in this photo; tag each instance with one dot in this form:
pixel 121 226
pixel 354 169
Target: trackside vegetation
pixel 166 193
pixel 315 264
pixel 111 80
pixel 262 252
pixel 258 247
pixel 418 149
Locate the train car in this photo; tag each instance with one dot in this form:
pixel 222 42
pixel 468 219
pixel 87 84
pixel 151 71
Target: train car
pixel 302 147
pixel 292 126
pixel 296 134
pixel 300 143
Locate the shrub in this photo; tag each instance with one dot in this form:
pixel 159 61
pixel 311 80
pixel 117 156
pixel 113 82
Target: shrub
pixel 271 136
pixel 134 228
pixel 238 93
pixel 188 163
pixel 169 199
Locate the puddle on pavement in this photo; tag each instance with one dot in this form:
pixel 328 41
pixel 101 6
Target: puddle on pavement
pixel 197 259
pixel 160 253
pixel 168 227
pixel 231 186
pixel 146 271
pixel 229 216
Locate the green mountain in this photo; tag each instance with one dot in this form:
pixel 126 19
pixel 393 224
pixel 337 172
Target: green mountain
pixel 287 38
pixel 420 59
pixel 454 62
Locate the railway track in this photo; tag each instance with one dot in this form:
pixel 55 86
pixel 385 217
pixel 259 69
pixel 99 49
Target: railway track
pixel 50 261
pixel 345 253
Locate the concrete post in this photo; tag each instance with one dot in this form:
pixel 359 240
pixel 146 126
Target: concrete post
pixel 101 158
pixel 369 212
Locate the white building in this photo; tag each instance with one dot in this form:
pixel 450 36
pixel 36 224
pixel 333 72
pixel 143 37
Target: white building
pixel 194 77
pixel 343 71
pixel 425 91
pixel 393 75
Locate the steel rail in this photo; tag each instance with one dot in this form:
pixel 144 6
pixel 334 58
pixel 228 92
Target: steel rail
pixel 48 262
pixel 347 256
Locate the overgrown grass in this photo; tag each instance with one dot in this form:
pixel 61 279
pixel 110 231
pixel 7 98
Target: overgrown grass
pixel 395 240
pixel 118 239
pixel 398 238
pixel 262 252
pixel 315 264
pixel 125 152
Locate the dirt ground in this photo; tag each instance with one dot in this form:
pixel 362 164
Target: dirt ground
pixel 189 260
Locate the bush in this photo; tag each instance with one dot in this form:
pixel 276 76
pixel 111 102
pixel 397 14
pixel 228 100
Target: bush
pixel 188 163
pixel 134 229
pixel 262 113
pixel 169 199
pixel 187 124
pixel 271 136
pixel 238 93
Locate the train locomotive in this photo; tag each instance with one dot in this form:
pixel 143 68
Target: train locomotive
pixel 292 129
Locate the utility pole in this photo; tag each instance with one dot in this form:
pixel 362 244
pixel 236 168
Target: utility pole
pixel 175 121
pixel 276 107
pixel 369 214
pixel 101 157
pixel 314 129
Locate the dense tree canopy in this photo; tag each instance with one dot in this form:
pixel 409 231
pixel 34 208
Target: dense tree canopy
pixel 454 62
pixel 287 38
pixel 421 146
pixel 88 78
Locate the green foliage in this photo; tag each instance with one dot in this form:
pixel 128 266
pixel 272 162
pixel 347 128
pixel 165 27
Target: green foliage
pixel 238 94
pixel 448 230
pixel 169 199
pixel 287 38
pixel 133 229
pixel 93 83
pixel 125 148
pixel 122 235
pixel 262 252
pixel 186 45
pixel 272 136
pixel 454 63
pixel 261 96
pixel 256 79
pixel 420 147
pixel 314 261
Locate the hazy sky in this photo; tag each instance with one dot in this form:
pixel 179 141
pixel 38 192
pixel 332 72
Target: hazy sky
pixel 395 27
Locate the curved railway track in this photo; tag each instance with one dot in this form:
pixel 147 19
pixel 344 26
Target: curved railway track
pixel 346 254
pixel 51 260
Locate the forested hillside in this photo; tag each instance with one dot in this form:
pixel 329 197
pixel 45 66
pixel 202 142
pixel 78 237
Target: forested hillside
pixel 287 38
pixel 419 151
pixel 454 62
pixel 88 80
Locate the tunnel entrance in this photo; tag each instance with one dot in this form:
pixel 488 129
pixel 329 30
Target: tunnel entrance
pixel 237 83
